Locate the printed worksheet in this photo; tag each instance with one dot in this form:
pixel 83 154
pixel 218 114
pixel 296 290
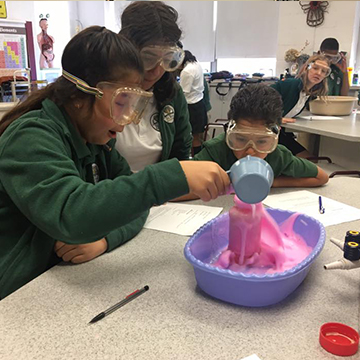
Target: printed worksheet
pixel 306 202
pixel 181 219
pixel 251 357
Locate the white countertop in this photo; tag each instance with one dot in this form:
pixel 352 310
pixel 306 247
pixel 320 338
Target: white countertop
pixel 348 128
pixel 48 318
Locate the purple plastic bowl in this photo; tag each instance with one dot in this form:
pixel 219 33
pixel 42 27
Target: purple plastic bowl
pixel 249 289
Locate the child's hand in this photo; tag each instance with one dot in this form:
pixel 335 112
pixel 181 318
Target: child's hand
pixel 206 179
pixel 342 65
pixel 80 253
pixel 287 120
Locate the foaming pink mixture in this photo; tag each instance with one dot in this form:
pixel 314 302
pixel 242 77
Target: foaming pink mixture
pixel 258 245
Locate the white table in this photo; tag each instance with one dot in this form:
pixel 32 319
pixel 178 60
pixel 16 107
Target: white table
pixel 339 139
pixel 48 318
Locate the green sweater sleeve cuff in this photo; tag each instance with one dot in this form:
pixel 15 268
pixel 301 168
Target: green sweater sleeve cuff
pixel 126 232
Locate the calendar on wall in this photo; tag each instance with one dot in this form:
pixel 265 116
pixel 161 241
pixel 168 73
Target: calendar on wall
pixel 13 53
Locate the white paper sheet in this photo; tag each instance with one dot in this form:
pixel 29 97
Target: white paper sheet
pixel 319 117
pixel 306 202
pixel 251 357
pixel 182 219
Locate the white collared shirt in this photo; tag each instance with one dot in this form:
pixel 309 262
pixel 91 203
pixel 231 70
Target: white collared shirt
pixel 299 105
pixel 141 144
pixel 192 82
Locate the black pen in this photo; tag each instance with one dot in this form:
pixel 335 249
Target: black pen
pixel 130 297
pixel 321 208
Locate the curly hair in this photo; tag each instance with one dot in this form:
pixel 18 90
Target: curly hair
pixel 257 102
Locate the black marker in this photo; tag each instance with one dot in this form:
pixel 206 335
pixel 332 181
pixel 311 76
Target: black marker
pixel 130 297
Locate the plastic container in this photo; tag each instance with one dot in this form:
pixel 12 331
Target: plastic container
pixel 251 178
pixel 355 79
pixel 249 289
pixel 350 71
pixel 339 339
pixel 333 105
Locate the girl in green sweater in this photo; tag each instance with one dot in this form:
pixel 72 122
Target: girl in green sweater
pixel 65 193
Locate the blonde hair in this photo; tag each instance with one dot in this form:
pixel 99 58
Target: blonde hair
pixel 320 89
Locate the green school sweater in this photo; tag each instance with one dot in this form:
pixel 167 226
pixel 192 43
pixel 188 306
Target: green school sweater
pixel 175 128
pixel 48 193
pixel 335 80
pixel 289 90
pixel 281 160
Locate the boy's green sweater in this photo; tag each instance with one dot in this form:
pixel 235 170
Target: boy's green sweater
pixel 281 160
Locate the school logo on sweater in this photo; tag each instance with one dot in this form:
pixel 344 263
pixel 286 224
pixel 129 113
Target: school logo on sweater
pixel 169 114
pixel 154 121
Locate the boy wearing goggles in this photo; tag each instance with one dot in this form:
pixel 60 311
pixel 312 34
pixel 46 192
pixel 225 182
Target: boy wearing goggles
pixel 338 83
pixel 255 116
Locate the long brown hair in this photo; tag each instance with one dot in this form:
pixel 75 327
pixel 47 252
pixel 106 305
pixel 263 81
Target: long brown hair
pixel 320 89
pixel 95 54
pixel 149 23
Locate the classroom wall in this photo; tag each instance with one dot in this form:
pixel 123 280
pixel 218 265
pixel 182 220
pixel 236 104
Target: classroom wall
pixel 68 17
pixel 91 13
pixel 59 24
pixel 293 31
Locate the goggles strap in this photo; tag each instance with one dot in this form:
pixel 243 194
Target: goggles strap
pixel 82 85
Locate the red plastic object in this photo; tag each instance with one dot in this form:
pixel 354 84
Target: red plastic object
pixel 339 339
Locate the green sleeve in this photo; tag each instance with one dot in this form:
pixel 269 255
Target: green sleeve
pixel 276 86
pixel 45 185
pixel 284 163
pixel 204 155
pixel 181 147
pixel 216 150
pixel 207 96
pixel 126 232
pixel 117 164
pixel 121 235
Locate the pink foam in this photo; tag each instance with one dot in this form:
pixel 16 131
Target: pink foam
pixel 258 245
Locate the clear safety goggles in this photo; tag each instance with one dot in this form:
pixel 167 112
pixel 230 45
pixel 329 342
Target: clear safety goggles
pixel 127 104
pixel 262 140
pixel 169 58
pixel 323 70
pixel 334 59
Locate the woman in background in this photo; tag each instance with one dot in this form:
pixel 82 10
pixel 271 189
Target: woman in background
pixel 297 92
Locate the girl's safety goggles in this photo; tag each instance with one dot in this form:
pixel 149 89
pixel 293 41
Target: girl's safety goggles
pixel 127 104
pixel 169 58
pixel 262 140
pixel 323 70
pixel 334 59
